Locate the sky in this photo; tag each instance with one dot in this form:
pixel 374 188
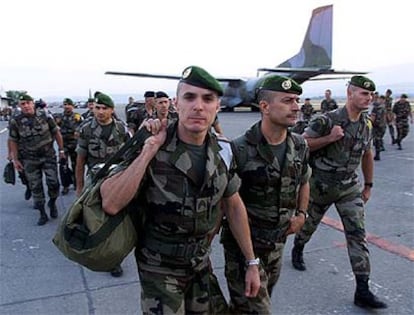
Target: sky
pixel 63 48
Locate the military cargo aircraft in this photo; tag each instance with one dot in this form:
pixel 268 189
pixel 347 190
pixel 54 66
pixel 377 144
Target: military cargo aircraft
pixel 314 59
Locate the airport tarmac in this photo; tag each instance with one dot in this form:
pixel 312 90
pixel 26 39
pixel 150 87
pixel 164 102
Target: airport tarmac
pixel 36 279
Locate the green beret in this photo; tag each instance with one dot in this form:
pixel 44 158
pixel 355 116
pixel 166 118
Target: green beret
pixel 161 94
pixel 91 100
pixel 68 101
pixel 149 94
pixel 25 97
pixel 199 77
pixel 362 82
pixel 103 99
pixel 279 83
pixel 404 96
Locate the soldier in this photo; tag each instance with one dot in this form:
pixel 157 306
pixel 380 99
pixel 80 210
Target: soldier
pixel 273 165
pixel 378 118
pixel 32 133
pixel 69 122
pixel 143 112
pixel 307 110
pixel 184 172
pixel 328 103
pixel 390 118
pixel 162 107
pixel 89 112
pixel 130 108
pixel 99 138
pixel 339 140
pixel 402 111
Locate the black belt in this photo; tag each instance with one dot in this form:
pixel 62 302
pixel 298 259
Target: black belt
pixel 179 250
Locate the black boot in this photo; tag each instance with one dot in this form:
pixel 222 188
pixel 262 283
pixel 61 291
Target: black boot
pixel 364 297
pixel 377 155
pixel 297 258
pixel 117 271
pixel 53 209
pixel 43 216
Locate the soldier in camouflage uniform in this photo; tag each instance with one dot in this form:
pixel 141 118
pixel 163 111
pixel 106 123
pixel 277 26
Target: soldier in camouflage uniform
pixel 402 111
pixel 136 117
pixel 180 176
pixel 339 141
pixel 390 117
pixel 69 122
pixel 328 103
pixel 100 137
pixel 32 133
pixel 379 124
pixel 89 112
pixel 307 110
pixel 273 166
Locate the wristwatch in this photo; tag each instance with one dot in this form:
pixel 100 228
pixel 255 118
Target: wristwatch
pixel 305 213
pixel 253 262
pixel 368 185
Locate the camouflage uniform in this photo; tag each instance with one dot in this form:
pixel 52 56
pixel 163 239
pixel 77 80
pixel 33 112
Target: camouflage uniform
pixel 35 136
pixel 335 181
pixel 402 110
pixel 136 117
pixel 307 111
pixel 269 191
pixel 69 125
pixel 390 117
pixel 181 210
pixel 328 105
pixel 95 146
pixel 379 126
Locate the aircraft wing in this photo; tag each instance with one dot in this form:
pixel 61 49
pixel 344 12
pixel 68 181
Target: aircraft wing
pixel 317 71
pixel 165 76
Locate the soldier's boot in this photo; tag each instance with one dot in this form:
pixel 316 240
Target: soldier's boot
pixel 393 140
pixel 43 216
pixel 297 258
pixel 377 155
pixel 27 193
pixel 65 190
pixel 399 144
pixel 364 297
pixel 117 271
pixel 53 209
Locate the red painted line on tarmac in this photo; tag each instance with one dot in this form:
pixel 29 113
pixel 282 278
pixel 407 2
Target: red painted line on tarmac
pixel 391 247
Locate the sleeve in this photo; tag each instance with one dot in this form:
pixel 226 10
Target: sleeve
pixel 234 180
pixel 306 169
pixel 82 143
pixel 319 126
pixel 53 127
pixel 13 131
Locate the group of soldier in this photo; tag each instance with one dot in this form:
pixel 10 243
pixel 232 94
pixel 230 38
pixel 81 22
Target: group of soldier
pixel 191 182
pixel 383 114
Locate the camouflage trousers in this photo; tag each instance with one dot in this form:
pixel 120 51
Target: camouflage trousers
pixel 235 271
pixel 70 152
pixel 348 202
pixel 378 135
pixel 34 170
pixel 403 127
pixel 199 293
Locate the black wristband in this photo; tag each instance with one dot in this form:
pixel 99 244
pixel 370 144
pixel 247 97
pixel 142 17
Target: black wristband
pixel 368 185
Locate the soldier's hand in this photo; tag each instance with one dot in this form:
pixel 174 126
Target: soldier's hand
pixel 17 165
pixel 366 194
pixel 252 281
pixel 296 223
pixel 336 133
pixel 159 130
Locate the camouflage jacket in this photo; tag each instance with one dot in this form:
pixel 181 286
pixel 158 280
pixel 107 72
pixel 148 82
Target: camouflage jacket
pixel 179 215
pixel 94 147
pixel 34 134
pixel 269 190
pixel 379 112
pixel 327 106
pixel 307 111
pixel 69 125
pixel 340 158
pixel 401 111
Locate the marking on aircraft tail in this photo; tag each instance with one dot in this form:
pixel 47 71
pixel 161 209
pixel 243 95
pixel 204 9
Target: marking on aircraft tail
pixel 391 247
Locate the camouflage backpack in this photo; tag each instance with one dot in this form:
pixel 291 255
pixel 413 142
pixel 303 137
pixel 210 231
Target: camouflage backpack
pixel 89 236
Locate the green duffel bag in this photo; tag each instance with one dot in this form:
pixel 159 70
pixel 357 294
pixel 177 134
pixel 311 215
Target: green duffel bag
pixel 92 238
pixel 88 235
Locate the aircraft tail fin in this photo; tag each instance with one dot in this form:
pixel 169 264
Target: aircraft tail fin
pixel 316 50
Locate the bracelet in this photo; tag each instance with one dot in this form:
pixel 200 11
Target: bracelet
pixel 305 213
pixel 253 262
pixel 368 185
